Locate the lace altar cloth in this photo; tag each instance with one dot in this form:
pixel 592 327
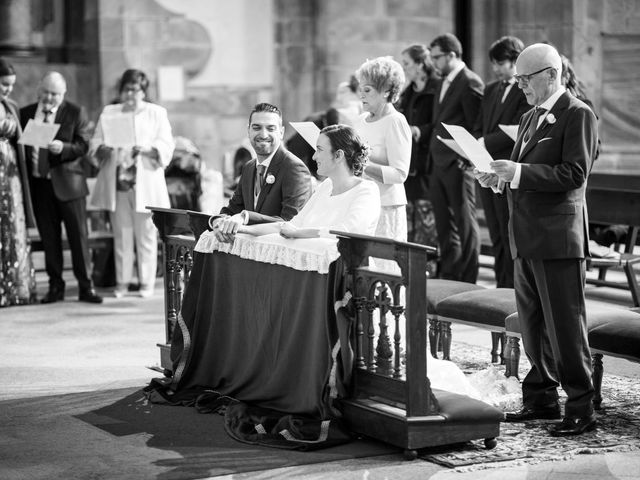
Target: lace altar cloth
pixel 304 254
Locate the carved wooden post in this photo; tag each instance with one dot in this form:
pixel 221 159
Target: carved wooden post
pixel 596 376
pixel 383 347
pixel 359 303
pixel 434 337
pixel 371 306
pixel 397 310
pixel 514 357
pixel 170 289
pixel 445 337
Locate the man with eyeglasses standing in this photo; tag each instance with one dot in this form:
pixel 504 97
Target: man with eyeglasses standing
pixel 451 183
pixel 547 178
pixel 59 186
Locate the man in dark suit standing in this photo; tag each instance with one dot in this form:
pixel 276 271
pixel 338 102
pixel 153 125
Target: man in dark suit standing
pixel 451 184
pixel 548 233
pixel 59 186
pixel 274 186
pixel 503 104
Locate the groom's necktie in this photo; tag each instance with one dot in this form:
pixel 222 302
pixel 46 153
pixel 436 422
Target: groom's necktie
pixel 43 153
pixel 259 180
pixel 533 126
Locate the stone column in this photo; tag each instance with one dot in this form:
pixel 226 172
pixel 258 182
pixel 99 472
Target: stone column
pixel 15 28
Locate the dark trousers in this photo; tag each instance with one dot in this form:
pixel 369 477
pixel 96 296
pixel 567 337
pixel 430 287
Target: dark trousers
pixel 551 307
pixel 50 214
pixel 453 196
pixel 496 213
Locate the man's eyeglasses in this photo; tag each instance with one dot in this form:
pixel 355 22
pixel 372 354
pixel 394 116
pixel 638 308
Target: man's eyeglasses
pixel 525 79
pixel 131 89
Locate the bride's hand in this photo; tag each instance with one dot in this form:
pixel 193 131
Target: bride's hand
pixel 288 231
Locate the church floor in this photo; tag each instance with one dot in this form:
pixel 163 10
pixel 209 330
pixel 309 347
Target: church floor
pixel 71 347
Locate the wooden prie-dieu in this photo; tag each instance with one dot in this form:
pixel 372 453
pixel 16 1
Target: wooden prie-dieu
pixel 387 395
pixel 390 396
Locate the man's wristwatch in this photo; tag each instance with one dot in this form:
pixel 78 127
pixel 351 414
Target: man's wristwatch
pixel 245 217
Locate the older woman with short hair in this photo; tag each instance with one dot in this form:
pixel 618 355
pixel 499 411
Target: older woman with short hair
pixel 389 136
pixel 139 182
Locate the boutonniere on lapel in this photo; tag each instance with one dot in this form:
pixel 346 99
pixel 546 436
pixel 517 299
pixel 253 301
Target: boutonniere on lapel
pixel 551 119
pixel 270 179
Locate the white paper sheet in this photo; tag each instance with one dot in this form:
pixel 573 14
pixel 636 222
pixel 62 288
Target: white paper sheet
pixel 451 143
pixel 39 134
pixel 118 130
pixel 510 130
pixel 474 150
pixel 307 130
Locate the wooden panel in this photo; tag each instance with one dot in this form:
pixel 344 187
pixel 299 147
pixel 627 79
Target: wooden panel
pixel 369 384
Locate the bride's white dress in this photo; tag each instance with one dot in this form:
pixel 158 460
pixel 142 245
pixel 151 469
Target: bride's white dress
pixel 355 211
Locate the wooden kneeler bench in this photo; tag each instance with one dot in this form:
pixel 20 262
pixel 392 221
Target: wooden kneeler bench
pixel 390 399
pixel 612 331
pixel 440 331
pixel 451 301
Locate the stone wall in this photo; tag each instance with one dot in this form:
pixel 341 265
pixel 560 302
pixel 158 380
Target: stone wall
pixel 320 43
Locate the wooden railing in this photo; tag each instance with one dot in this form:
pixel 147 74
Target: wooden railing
pixel 390 396
pixel 394 369
pixel 179 231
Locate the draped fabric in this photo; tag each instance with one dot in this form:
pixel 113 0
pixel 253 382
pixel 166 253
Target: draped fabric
pixel 259 341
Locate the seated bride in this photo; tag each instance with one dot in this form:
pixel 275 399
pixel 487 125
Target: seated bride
pixel 344 201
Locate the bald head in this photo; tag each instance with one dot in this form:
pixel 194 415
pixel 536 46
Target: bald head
pixel 536 57
pixel 51 90
pixel 538 70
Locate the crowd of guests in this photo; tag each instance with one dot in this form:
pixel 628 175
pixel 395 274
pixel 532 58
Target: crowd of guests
pixel 47 187
pixel 386 174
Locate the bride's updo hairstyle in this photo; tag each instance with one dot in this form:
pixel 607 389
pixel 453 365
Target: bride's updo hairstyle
pixel 356 152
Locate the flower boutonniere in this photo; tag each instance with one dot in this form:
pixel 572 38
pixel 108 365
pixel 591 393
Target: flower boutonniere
pixel 270 179
pixel 551 119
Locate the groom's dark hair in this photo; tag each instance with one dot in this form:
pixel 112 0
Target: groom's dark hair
pixel 265 107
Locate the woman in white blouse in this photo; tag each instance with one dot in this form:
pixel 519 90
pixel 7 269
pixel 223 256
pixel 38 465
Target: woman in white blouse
pixel 388 134
pixel 344 201
pixel 132 178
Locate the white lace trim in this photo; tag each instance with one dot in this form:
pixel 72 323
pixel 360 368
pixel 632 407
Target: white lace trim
pixel 313 254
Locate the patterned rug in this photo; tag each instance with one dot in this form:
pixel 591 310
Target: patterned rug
pixel 529 442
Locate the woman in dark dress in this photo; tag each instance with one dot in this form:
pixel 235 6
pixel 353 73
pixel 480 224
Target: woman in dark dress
pixel 416 103
pixel 17 277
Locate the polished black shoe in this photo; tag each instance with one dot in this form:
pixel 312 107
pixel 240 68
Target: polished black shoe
pixel 89 296
pixel 549 412
pixel 53 295
pixel 573 426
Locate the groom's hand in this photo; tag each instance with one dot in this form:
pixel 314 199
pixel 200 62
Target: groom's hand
pixel 227 228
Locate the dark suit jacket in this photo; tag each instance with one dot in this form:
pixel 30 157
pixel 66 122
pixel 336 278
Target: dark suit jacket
pixel 417 107
pixel 548 211
pixel 459 106
pixel 493 112
pixel 280 200
pixel 67 174
pixel 23 167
